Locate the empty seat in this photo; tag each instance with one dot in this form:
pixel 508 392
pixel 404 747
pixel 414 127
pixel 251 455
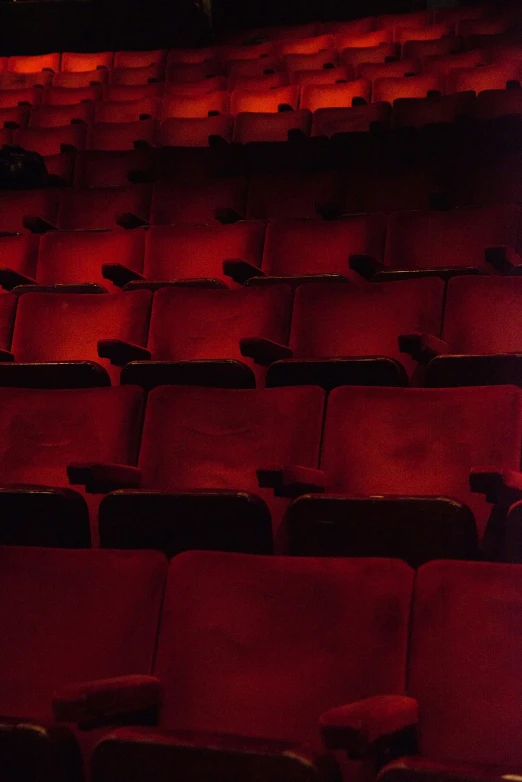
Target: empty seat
pixel 33 63
pixel 361 55
pixel 416 112
pixel 274 127
pixel 139 59
pixel 14 115
pixel 51 140
pixel 126 111
pixel 136 75
pixel 265 65
pixel 444 64
pixel 242 52
pixel 310 45
pixel 73 80
pixel 487 77
pixel 64 96
pixel 498 103
pixel 403 450
pixel 422 50
pixel 494 25
pixel 31 210
pixel 200 449
pixel 345 334
pixel 104 207
pixel 131 92
pixel 45 116
pixel 306 62
pixel 121 136
pixel 327 122
pixel 290 195
pixel 98 168
pixel 43 431
pixel 192 89
pixel 182 132
pixel 194 72
pixel 390 89
pixel 25 96
pixel 368 601
pixel 197 106
pixel 190 56
pixel 264 101
pixel 398 21
pixel 341 73
pixel 265 82
pixel 18 81
pixel 77 62
pixel 363 40
pixel 389 187
pixel 322 96
pixel 396 69
pixel 189 202
pixel 432 32
pixel 194 336
pixel 18 254
pixel 459 607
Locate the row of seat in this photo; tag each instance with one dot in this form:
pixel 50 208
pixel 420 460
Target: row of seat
pixel 397 472
pixel 383 641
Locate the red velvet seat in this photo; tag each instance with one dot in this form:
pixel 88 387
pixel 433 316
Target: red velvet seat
pixel 18 253
pixel 45 116
pixel 187 132
pixel 101 168
pixel 356 119
pixel 265 82
pixel 390 187
pixel 390 89
pixel 31 210
pixel 43 431
pixel 289 195
pixel 66 327
pixel 33 63
pixel 264 100
pixel 199 454
pixel 498 103
pixel 78 62
pixel 445 64
pixel 432 32
pixel 194 336
pixel 260 67
pixel 322 96
pixel 424 49
pixel 197 106
pixel 341 73
pixel 245 52
pixel 250 127
pixel 409 452
pixel 417 112
pixel 130 92
pixel 190 56
pixel 65 96
pixel 12 98
pixel 487 77
pixel 190 72
pixel 352 26
pixel 311 45
pixel 143 75
pixel 83 79
pixel 141 59
pixel 10 80
pixel 459 607
pixel 367 40
pixel 121 136
pixel 357 56
pixel 395 69
pixel 189 202
pixel 357 342
pixel 293 63
pixel 51 140
pixel 104 207
pixel 399 21
pixel 14 116
pixel 268 605
pixel 126 111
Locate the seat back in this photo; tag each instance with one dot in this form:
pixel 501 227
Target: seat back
pixel 189 202
pixel 101 207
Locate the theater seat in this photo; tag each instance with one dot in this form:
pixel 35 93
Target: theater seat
pixel 272 127
pixel 126 111
pixel 432 32
pixel 194 336
pixel 290 195
pixel 22 96
pixel 190 72
pixel 399 479
pixel 18 254
pixel 322 96
pixel 199 454
pixel 268 606
pixel 449 242
pixel 183 132
pixel 265 82
pixel 145 75
pixel 487 77
pixel 30 210
pixel 498 103
pixel 121 136
pixel 362 40
pixel 445 64
pixel 130 92
pixel 264 100
pixel 395 69
pixel 458 607
pixel 197 106
pixel 43 431
pixel 104 208
pixel 59 332
pixel 309 45
pixel 417 112
pixel 33 63
pixel 293 63
pixel 80 80
pixel 52 140
pixel 99 168
pixel 358 341
pixel 390 89
pixel 424 49
pixel 78 62
pixel 65 96
pixel 46 116
pixel 339 74
pixel 220 200
pixel 190 56
pixel 360 55
pixel 260 67
pixel 141 59
pixel 356 119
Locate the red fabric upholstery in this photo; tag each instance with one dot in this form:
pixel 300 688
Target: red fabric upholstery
pixel 189 72
pixel 100 168
pixel 323 96
pixel 211 438
pixel 487 77
pixel 365 320
pixel 33 63
pixel 121 136
pixel 367 40
pixel 15 205
pixel 416 112
pixel 411 441
pixel 197 106
pixel 498 103
pixel 389 89
pixel 294 247
pixel 242 52
pixel 396 69
pixel 340 73
pixel 444 64
pixel 49 141
pixel 125 111
pixel 189 56
pixel 106 698
pixel 131 92
pixel 7 314
pixel 67 327
pixel 397 22
pixel 429 240
pixel 431 32
pixel 176 132
pixel 243 636
pixel 189 202
pixel 73 616
pixel 464 662
pixel 136 75
pixel 76 62
pixel 265 82
pixel 192 251
pixel 11 98
pixel 270 127
pixel 20 253
pixel 193 323
pixel 423 49
pixel 310 45
pixel 99 207
pixel 77 256
pixel 63 96
pixel 43 431
pixel 14 81
pixel 139 59
pixel 366 721
pixel 263 100
pixel 289 195
pixel 356 119
pixel 293 63
pixel 56 116
pixel 82 79
pixel 361 55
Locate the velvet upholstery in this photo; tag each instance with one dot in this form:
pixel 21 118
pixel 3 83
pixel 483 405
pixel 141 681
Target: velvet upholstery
pixel 324 96
pixel 412 441
pixel 267 101
pixel 125 111
pixel 380 70
pixel 120 136
pixel 250 126
pixel 211 438
pixel 7 316
pixel 390 88
pixel 72 616
pixel 76 62
pixel 188 202
pixel 488 77
pixel 196 106
pixel 339 73
pixel 20 253
pixel 182 132
pixel 96 208
pixel 294 63
pixel 356 119
pixel 289 195
pixel 99 168
pixel 15 205
pixel 49 141
pixel 45 116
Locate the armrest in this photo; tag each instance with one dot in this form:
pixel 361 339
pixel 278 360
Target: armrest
pixel 227 215
pixel 422 346
pixel 9 279
pixel 291 481
pixel 6 355
pixel 119 352
pixel 240 271
pixel 357 726
pixel 503 259
pixel 500 486
pixel 129 220
pixel 99 478
pixel 105 700
pixel 119 274
pixel 37 225
pixel 366 265
pixel 263 351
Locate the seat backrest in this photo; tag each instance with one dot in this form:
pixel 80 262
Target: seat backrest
pixel 104 168
pixel 126 111
pixel 293 63
pixel 11 98
pixel 416 112
pixel 8 303
pixel 394 69
pixel 316 43
pixel 17 204
pixel 321 247
pixel 444 64
pixel 197 251
pixel 264 100
pixel 212 438
pixel 471 317
pixel 137 75
pixel 420 441
pixel 73 257
pixel 486 77
pixel 356 119
pixel 336 75
pixel 365 54
pixel 65 96
pixel 389 89
pixel 289 195
pixel 49 141
pixel 251 126
pixel 76 62
pixel 141 59
pixel 131 92
pixel 34 63
pixel 190 202
pixel 74 80
pixel 322 96
pixel 498 103
pixel 196 106
pixel 121 136
pixel 67 326
pixel 237 629
pixel 464 662
pixel 265 82
pixel 431 239
pixel 100 207
pixel 20 253
pixel 45 116
pixel 364 320
pixel 432 32
pixel 72 616
pixel 367 40
pixel 175 132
